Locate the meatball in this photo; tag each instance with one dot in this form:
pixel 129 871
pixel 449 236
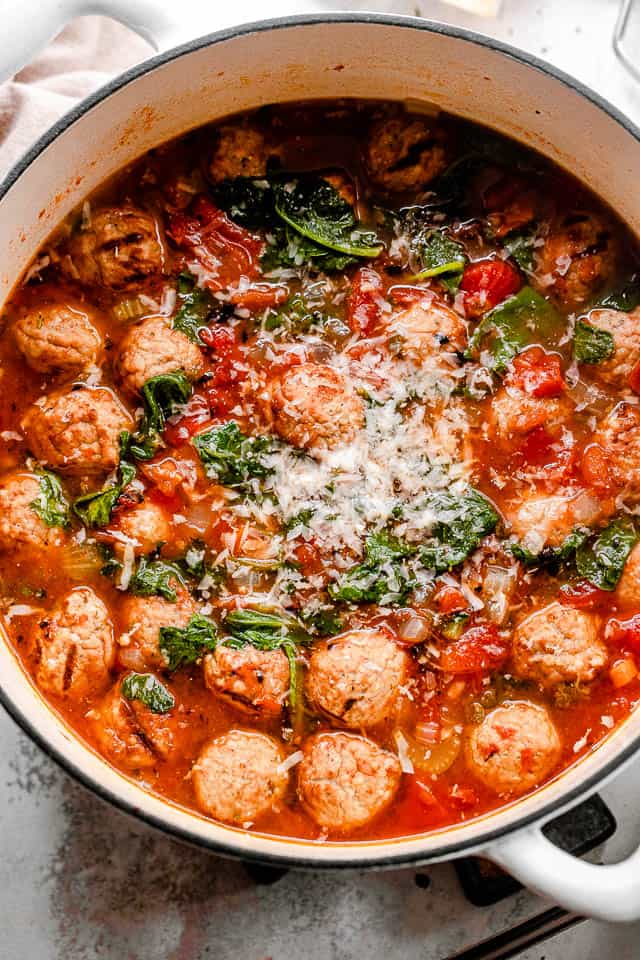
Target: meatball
pixel 129 732
pixel 405 153
pixel 241 150
pixel 628 590
pixel 558 644
pixel 120 248
pixel 345 780
pixel 74 646
pixel 145 527
pixel 314 406
pixel 141 619
pixel 625 331
pixel 57 337
pixel 619 437
pixel 254 681
pixel 356 677
pixel 239 776
pixel 20 525
pixel 153 348
pixel 77 431
pixel 542 522
pixel 514 748
pixel 429 329
pixel 514 413
pixel 576 259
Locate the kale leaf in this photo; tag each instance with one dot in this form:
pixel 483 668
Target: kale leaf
pixel 520 246
pixel 286 248
pixel 315 209
pixel 294 316
pixel 156 578
pixel 591 345
pixel 601 560
pixel 551 554
pixel 195 307
pixel 460 525
pixel 247 200
pixel 521 320
pixel 231 457
pixel 148 689
pixel 625 298
pixel 439 254
pixel 184 645
pixel 95 509
pixel 382 577
pixel 162 396
pixel 51 505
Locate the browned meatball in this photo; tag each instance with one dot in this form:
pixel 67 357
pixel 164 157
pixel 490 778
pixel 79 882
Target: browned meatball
pixel 345 780
pixel 428 330
pixel 625 331
pixel 144 527
pixel 141 619
pixel 57 337
pixel 546 521
pixel 129 732
pixel 356 677
pixel 20 525
pixel 77 431
pixel 314 406
pixel 578 256
pixel 628 590
pixel 241 150
pixel 74 646
pixel 514 749
pixel 514 412
pixel 558 645
pixel 152 348
pixel 619 436
pixel 254 681
pixel 405 153
pixel 239 776
pixel 122 247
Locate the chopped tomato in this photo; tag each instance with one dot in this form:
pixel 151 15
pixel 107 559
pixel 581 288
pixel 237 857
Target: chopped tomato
pixel 624 633
pixel 594 468
pixel 479 649
pixel 309 558
pixel 259 296
pixel 582 595
pixel 487 283
pixel 540 449
pixel 450 599
pixel 463 797
pixel 538 373
pixel 195 416
pixel 230 368
pixel 225 250
pixel 366 301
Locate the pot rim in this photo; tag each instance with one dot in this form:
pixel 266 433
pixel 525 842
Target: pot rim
pixel 365 854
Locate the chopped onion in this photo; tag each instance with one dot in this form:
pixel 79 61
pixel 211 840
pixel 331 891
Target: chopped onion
pixel 21 610
pixel 128 560
pixel 414 630
pixel 403 752
pixel 291 761
pixel 497 587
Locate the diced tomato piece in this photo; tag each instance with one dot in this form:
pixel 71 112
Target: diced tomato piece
pixel 487 283
pixel 462 797
pixel 624 633
pixel 225 250
pixel 126 501
pixel 309 558
pixel 450 599
pixel 193 418
pixel 537 373
pixel 259 296
pixel 365 305
pixel 582 595
pixel 479 649
pixel 594 468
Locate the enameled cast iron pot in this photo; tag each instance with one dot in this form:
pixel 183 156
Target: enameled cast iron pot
pixel 289 59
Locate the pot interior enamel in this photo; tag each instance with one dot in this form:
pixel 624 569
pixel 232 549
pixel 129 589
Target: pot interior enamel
pixel 343 56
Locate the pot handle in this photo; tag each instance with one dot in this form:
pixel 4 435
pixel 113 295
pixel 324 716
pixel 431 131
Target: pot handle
pixel 605 892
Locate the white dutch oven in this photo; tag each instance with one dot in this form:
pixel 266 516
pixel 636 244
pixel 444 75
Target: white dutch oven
pixel 292 59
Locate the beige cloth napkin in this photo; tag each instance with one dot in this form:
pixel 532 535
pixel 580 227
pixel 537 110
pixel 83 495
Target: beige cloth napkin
pixel 85 55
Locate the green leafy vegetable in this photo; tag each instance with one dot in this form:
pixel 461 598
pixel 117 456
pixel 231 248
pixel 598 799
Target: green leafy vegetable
pixel 591 345
pixel 381 578
pixel 551 554
pixel 195 306
pixel 162 396
pixel 184 645
pixel 232 458
pixel 300 519
pixel 452 627
pixel 440 255
pixel 521 320
pixel 94 509
pixel 247 200
pixel 51 505
pixel 324 622
pixel 459 527
pixel 286 248
pixel 601 560
pixel 148 689
pixel 294 316
pixel 316 210
pixel 520 247
pixel 625 298
pixel 156 578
